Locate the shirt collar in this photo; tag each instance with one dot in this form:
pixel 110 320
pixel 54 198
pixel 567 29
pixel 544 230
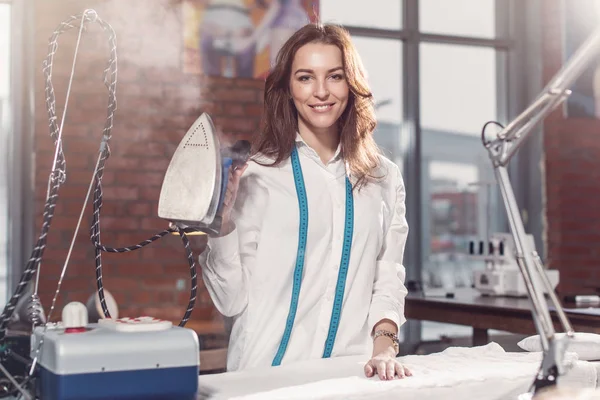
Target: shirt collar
pixel 302 144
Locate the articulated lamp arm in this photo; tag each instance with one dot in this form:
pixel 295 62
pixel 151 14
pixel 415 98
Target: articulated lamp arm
pixel 508 141
pixel 501 150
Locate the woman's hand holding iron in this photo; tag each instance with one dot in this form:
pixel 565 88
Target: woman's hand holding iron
pixel 233 184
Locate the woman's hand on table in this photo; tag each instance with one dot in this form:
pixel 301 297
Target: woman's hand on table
pixel 385 364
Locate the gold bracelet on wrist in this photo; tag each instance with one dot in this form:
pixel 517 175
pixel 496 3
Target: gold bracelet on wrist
pixel 390 335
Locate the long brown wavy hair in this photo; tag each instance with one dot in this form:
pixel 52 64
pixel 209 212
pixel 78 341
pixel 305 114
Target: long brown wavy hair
pixel 356 124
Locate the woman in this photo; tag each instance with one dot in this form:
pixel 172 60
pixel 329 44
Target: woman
pixel 309 261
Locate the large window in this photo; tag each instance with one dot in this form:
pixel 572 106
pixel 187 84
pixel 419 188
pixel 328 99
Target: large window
pixel 387 90
pixel 476 18
pixel 459 92
pixel 457 87
pixel 5 57
pixel 438 70
pixel 382 14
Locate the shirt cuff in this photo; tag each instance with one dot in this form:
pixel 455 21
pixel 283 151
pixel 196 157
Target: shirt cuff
pixel 224 248
pixel 376 316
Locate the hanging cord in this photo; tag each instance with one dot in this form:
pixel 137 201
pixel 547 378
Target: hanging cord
pixel 58 172
pixel 99 247
pixel 58 177
pixel 33 262
pixel 110 79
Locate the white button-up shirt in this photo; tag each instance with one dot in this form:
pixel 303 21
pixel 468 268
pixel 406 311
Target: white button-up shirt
pixel 249 272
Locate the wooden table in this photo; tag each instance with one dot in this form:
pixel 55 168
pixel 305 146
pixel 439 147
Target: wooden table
pixel 470 308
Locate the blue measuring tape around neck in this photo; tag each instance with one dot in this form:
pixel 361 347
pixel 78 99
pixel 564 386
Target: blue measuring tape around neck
pixel 298 270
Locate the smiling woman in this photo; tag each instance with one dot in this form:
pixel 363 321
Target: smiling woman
pixel 320 94
pixel 321 50
pixel 309 263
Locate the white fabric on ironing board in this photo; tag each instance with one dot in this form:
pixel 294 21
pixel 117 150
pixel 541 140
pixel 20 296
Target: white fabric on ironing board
pixel 596 365
pixel 486 372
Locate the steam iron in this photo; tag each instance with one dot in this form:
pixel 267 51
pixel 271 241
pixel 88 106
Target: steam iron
pixel 196 180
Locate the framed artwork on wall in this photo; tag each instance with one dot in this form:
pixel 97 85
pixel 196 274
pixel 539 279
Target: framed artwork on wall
pixel 239 38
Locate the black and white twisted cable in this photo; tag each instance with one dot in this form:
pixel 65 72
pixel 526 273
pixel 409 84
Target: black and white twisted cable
pixel 194 278
pixel 99 247
pixel 34 259
pixel 58 171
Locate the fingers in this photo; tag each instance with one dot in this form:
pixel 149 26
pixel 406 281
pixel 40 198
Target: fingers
pixel 369 371
pixel 400 370
pixel 233 183
pixel 228 196
pixel 231 192
pixel 391 369
pixel 240 170
pixel 386 370
pixel 381 370
pixel 229 199
pixel 234 177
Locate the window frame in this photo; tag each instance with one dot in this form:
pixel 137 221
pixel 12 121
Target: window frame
pixel 20 198
pixel 518 82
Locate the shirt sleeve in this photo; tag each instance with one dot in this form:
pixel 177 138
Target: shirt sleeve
pixel 389 291
pixel 227 261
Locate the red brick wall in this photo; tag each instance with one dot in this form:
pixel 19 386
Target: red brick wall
pixel 572 163
pixel 157 103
